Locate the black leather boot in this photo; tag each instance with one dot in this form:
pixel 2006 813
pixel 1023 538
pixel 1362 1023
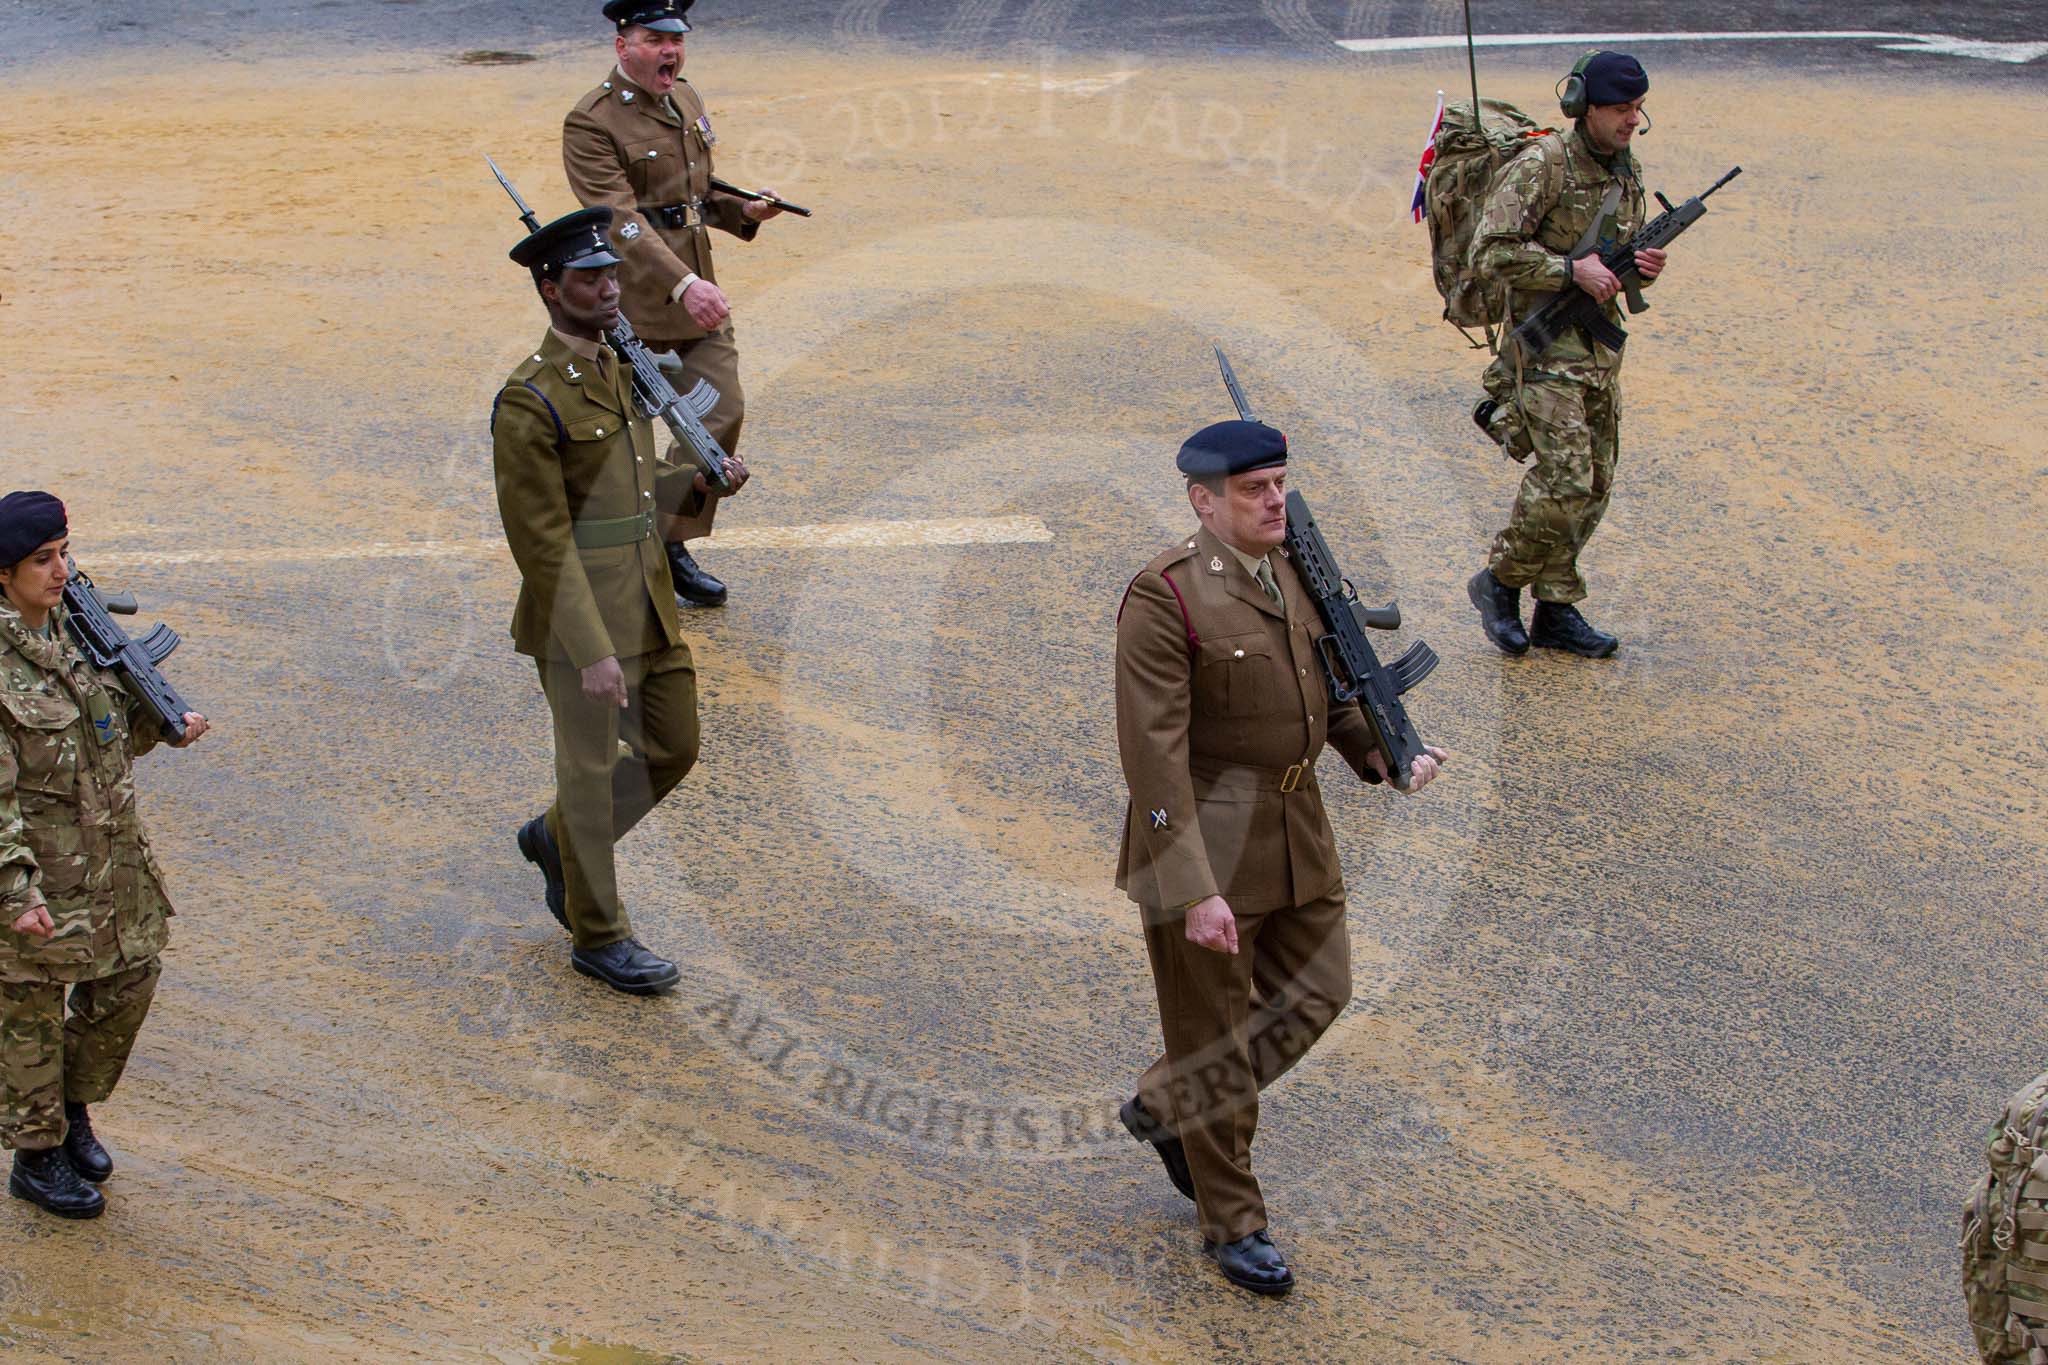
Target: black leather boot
pixel 1138 1121
pixel 1500 611
pixel 46 1180
pixel 1557 625
pixel 1252 1263
pixel 694 587
pixel 92 1161
pixel 627 966
pixel 537 846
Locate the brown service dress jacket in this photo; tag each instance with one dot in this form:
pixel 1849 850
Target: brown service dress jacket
pixel 622 147
pixel 564 451
pixel 1218 695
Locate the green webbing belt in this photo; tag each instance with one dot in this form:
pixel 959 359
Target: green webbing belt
pixel 608 531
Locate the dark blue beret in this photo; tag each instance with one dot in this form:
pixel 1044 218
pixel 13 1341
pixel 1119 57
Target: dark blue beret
pixel 1229 448
pixel 575 241
pixel 1615 78
pixel 27 522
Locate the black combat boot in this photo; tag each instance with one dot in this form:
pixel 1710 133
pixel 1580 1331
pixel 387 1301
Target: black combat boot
pixel 1252 1263
pixel 1500 611
pixel 46 1180
pixel 694 587
pixel 92 1161
pixel 1559 626
pixel 537 846
pixel 627 966
pixel 1138 1121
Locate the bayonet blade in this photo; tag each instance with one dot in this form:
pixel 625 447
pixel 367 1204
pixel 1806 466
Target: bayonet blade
pixel 1244 409
pixel 525 213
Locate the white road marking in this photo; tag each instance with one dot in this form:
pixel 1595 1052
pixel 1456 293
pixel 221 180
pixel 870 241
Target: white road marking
pixel 1937 43
pixel 829 536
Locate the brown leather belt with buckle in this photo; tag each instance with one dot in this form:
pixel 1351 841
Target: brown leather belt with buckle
pixel 674 216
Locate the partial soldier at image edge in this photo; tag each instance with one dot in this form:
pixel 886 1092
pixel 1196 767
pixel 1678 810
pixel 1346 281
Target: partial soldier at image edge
pixel 84 917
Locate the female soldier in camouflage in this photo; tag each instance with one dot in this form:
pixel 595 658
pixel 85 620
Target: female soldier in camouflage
pixel 82 906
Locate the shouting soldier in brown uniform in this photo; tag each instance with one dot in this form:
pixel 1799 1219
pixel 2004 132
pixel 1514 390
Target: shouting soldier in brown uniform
pixel 640 144
pixel 1221 712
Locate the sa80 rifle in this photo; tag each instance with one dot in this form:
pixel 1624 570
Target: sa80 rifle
pixel 89 616
pixel 1350 667
pixel 1572 307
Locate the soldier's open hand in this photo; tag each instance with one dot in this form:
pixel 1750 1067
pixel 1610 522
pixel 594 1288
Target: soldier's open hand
pixel 606 681
pixel 706 304
pixel 1212 926
pixel 36 923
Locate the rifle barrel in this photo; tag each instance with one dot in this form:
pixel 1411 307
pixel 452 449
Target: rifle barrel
pixel 1722 181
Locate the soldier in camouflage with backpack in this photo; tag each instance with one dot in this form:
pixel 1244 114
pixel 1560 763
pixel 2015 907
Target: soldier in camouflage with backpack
pixel 1549 215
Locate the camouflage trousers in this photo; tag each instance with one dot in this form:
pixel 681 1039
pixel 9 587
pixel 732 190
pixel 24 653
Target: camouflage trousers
pixel 1573 431
pixel 47 1057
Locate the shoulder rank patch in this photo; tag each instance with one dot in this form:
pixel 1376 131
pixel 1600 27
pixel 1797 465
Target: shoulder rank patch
pixel 1159 819
pixel 630 231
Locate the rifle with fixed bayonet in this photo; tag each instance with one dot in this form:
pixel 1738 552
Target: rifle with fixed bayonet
pixel 1350 667
pixel 682 413
pixel 89 618
pixel 1573 307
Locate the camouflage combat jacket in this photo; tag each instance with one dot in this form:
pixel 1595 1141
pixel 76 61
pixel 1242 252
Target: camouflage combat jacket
pixel 1525 237
pixel 70 837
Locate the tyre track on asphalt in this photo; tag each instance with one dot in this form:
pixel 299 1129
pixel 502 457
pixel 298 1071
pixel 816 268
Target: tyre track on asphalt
pixel 971 23
pixel 1044 22
pixel 859 21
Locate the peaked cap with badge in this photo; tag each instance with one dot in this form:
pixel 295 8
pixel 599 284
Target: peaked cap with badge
pixel 663 16
pixel 575 241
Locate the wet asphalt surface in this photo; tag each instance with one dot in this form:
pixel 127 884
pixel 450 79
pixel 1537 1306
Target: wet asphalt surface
pixel 34 30
pixel 1712 945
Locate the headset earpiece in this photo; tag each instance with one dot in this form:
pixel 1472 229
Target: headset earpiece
pixel 1571 91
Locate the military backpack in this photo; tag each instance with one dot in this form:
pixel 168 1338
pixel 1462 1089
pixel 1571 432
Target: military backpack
pixel 2005 1236
pixel 1470 156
